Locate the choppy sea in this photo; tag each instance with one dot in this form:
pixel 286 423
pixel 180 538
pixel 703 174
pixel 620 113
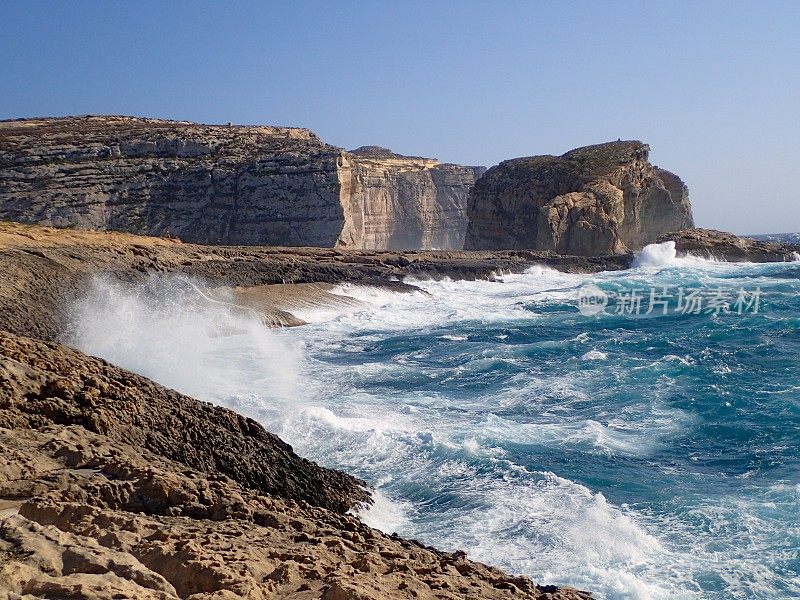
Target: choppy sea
pixel 629 452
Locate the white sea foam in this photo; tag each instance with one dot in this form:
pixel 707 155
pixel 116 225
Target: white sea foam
pixel 386 514
pixel 520 521
pixel 446 301
pixel 656 255
pixel 166 330
pixel 447 452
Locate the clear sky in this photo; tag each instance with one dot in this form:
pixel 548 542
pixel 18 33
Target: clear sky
pixel 713 87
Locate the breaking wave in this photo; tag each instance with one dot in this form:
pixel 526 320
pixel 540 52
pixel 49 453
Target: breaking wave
pixel 648 458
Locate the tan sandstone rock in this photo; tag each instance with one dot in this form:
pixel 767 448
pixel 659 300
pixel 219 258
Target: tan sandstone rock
pixel 212 184
pixel 603 199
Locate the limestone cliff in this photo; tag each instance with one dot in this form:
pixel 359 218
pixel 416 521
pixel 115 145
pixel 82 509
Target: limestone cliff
pixel 241 185
pixel 407 202
pixel 601 199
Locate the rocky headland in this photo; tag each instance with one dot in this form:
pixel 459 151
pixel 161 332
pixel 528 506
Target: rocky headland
pixel 227 184
pixel 602 199
pixel 284 186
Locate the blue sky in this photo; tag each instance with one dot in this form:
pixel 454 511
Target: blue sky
pixel 713 87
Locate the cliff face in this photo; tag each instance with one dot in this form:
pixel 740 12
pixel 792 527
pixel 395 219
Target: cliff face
pixel 601 199
pixel 244 185
pixel 407 202
pixel 226 185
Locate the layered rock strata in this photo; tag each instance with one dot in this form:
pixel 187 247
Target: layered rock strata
pixel 407 202
pixel 602 199
pixel 241 185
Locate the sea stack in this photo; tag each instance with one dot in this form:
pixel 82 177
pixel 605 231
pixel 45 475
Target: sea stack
pixel 601 199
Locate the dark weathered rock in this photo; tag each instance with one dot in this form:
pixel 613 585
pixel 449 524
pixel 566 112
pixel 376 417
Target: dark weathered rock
pixel 253 185
pixel 721 245
pixel 44 384
pixel 596 200
pixel 87 517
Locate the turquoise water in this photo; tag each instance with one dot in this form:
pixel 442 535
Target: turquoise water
pixel 643 456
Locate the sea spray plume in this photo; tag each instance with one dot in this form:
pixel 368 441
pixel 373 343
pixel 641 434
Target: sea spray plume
pixel 205 296
pixel 665 254
pixel 178 332
pixel 655 255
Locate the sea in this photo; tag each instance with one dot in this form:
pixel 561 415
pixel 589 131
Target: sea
pixel 633 433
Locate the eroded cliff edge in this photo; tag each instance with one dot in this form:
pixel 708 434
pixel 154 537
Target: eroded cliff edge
pixel 217 184
pixel 601 199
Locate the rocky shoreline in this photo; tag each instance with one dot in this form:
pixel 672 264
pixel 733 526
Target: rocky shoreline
pixel 114 486
pixel 44 268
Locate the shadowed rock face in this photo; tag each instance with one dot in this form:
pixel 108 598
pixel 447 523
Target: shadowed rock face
pixel 602 199
pixel 254 185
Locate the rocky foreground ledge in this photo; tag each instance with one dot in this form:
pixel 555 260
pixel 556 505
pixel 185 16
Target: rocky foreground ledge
pixel 114 487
